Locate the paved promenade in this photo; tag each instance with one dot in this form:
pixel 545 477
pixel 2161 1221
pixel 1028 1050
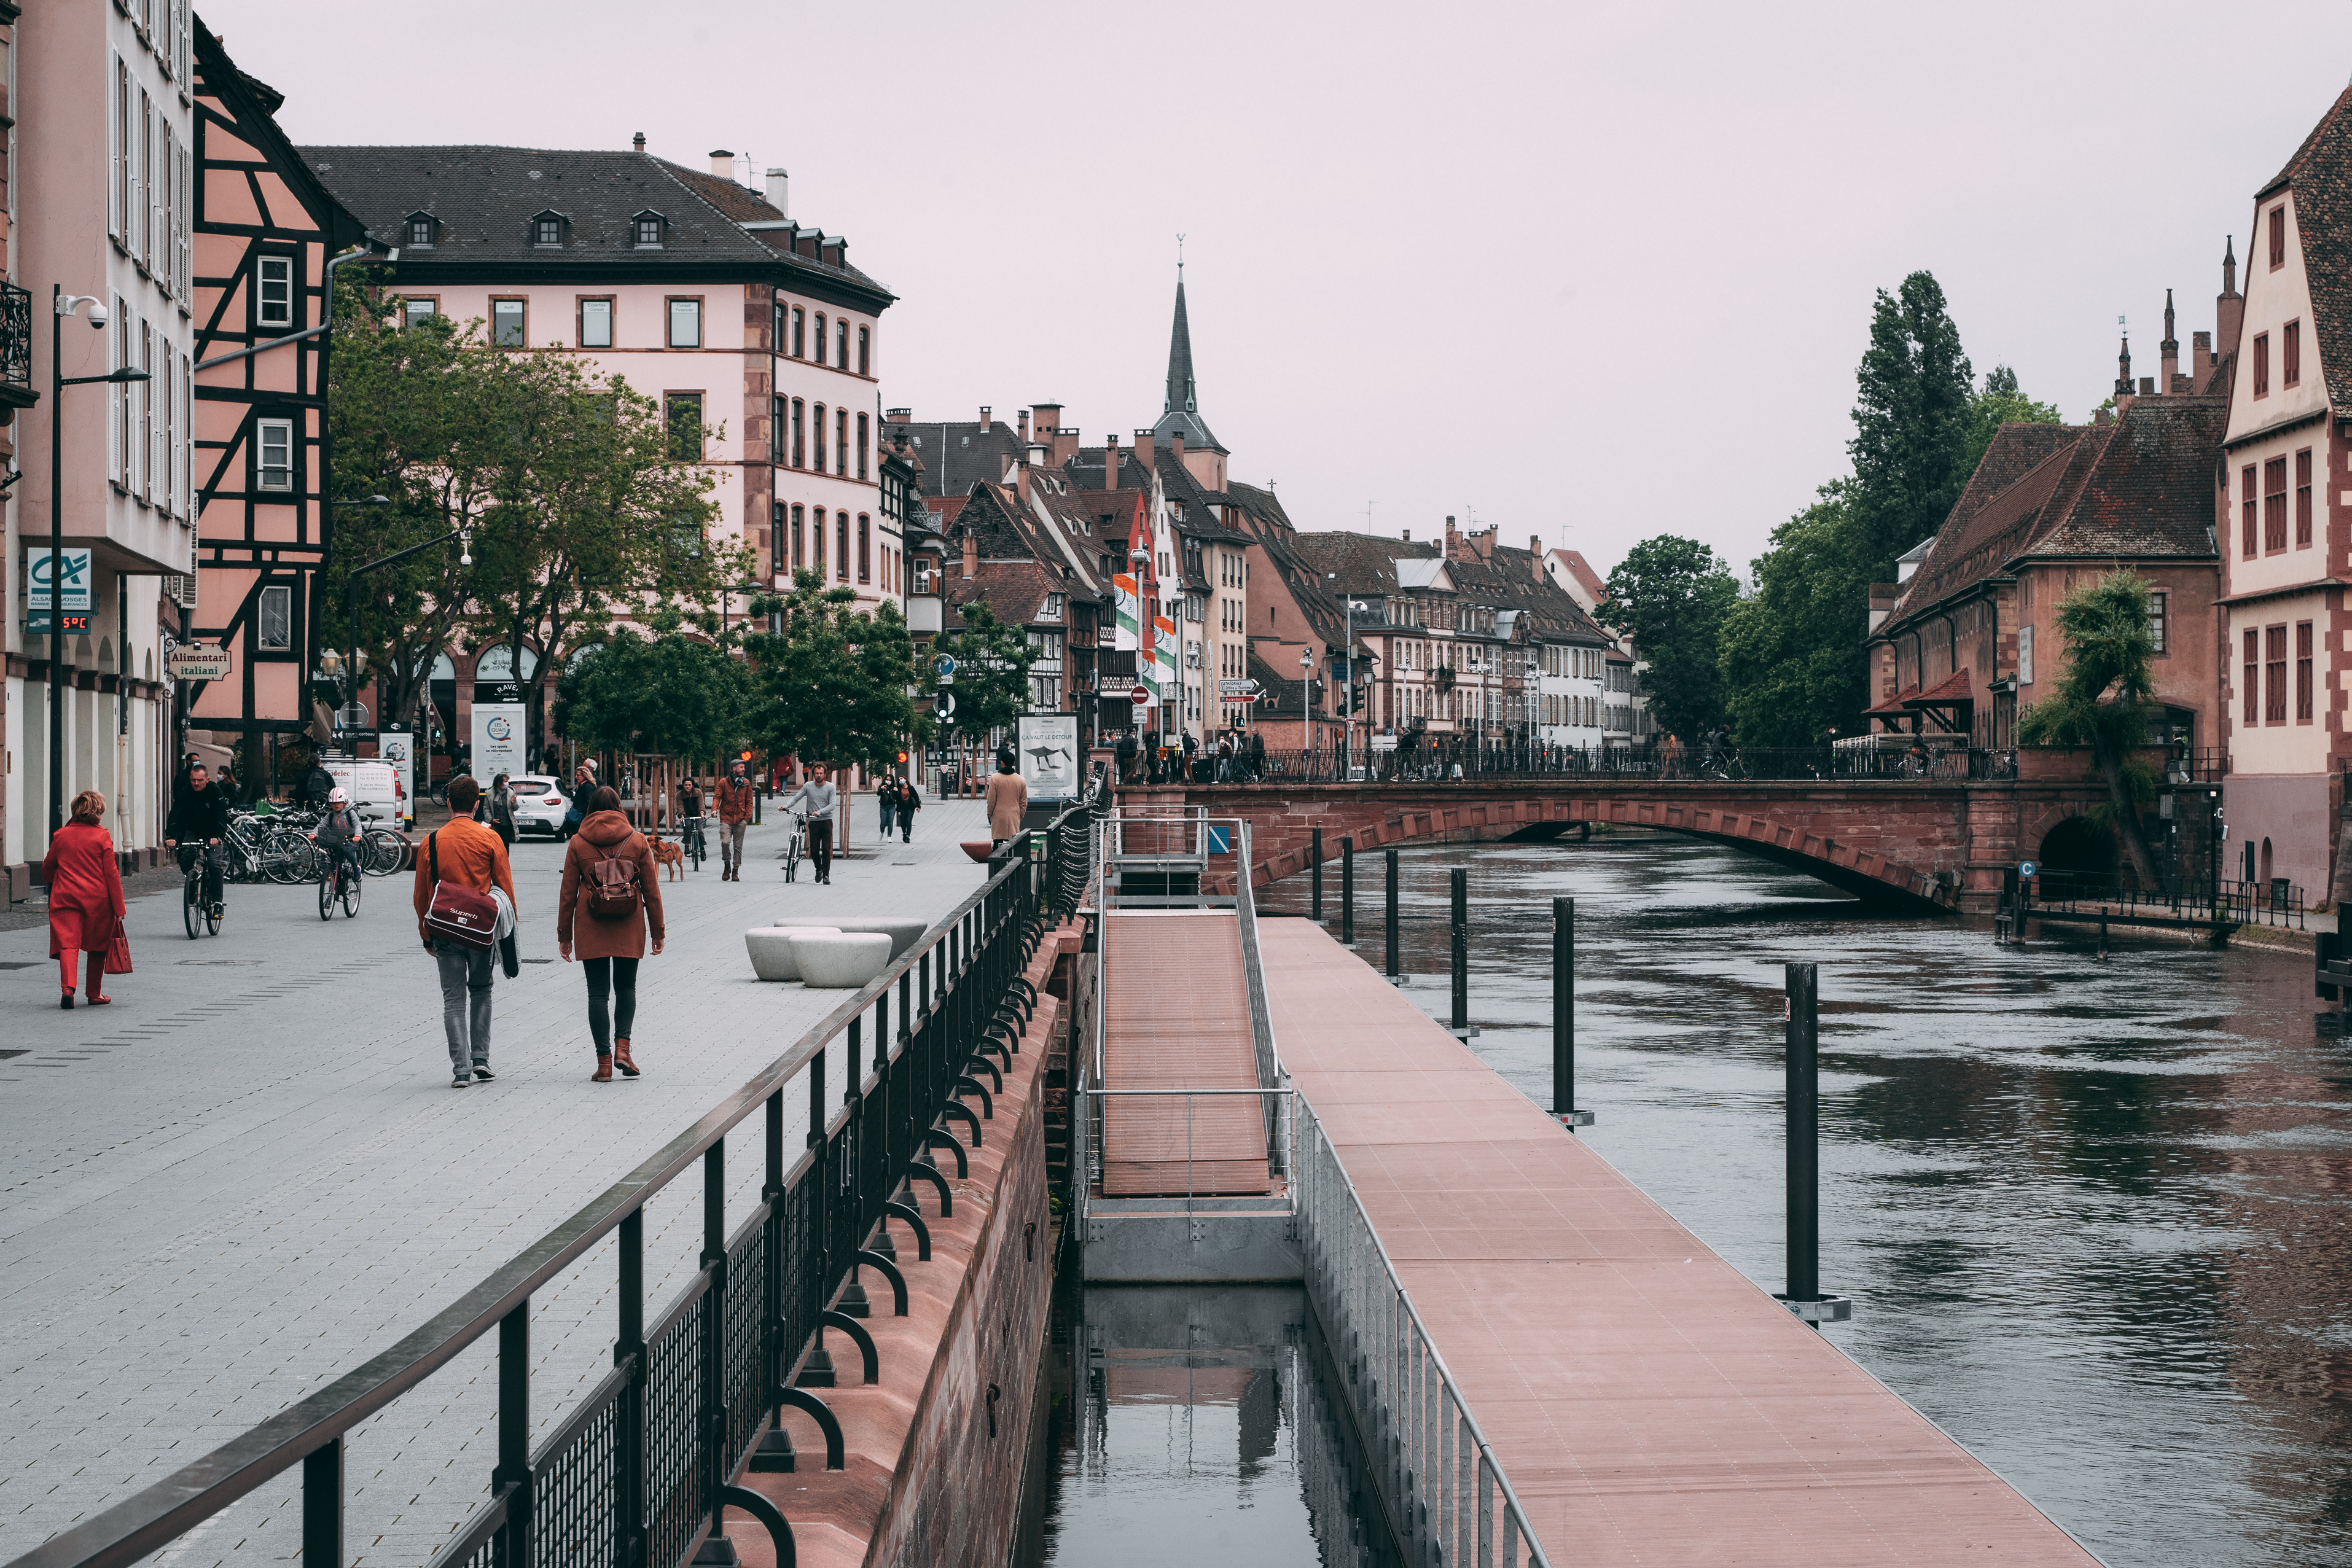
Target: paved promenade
pixel 1649 1404
pixel 250 1173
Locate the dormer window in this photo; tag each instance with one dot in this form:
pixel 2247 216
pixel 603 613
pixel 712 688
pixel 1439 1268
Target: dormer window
pixel 646 230
pixel 547 231
pixel 423 229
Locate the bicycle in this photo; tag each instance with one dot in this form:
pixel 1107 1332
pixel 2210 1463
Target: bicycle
pixel 381 850
pixel 794 847
pixel 195 908
pixel 339 878
pixel 691 839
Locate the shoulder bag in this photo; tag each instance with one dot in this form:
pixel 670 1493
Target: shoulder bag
pixel 465 915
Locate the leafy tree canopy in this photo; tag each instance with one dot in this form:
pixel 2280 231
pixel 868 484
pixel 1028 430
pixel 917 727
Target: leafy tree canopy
pixel 672 693
pixel 833 684
pixel 1912 415
pixel 992 671
pixel 1672 594
pixel 2103 697
pixel 1790 658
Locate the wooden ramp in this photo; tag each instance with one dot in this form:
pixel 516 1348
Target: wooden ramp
pixel 1176 1015
pixel 1649 1404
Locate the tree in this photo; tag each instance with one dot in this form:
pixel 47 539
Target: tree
pixel 2000 404
pixel 671 694
pixel 1792 666
pixel 1672 594
pixel 2102 700
pixel 1912 413
pixel 833 683
pixel 992 669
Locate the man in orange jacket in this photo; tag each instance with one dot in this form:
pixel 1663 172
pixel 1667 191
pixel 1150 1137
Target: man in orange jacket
pixel 470 855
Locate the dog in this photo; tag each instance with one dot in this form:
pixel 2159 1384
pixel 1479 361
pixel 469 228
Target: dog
pixel 669 854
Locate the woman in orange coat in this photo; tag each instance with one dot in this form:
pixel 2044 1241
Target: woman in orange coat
pixel 610 945
pixel 85 884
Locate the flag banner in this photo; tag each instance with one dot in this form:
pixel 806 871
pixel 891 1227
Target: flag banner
pixel 1127 637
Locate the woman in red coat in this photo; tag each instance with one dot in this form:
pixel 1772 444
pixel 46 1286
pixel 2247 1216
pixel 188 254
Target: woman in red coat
pixel 85 894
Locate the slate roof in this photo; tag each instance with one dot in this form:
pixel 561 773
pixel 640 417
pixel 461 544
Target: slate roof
pixel 1014 591
pixel 1977 538
pixel 485 196
pixel 959 455
pixel 1182 415
pixel 2320 175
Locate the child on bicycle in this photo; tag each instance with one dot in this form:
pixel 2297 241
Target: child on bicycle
pixel 339 832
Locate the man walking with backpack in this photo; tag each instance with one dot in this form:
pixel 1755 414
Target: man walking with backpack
pixel 457 867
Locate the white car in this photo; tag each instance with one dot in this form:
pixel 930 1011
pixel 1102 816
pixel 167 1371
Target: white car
pixel 538 806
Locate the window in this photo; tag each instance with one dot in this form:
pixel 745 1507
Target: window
pixel 647 230
pixel 273 291
pixel 779 416
pixel 2261 364
pixel 816 543
pixel 2024 658
pixel 2278 236
pixel 682 413
pixel 865 546
pixel 841 442
pixel 273 445
pixel 685 323
pixel 420 232
pixel 819 423
pixel 2252 671
pixel 2302 672
pixel 841 538
pixel 413 311
pixel 595 323
pixel 841 344
pixel 864 350
pixel 800 333
pixel 2275 505
pixel 2274 674
pixel 799 450
pixel 820 337
pixel 2303 500
pixel 2156 620
pixel 800 555
pixel 861 446
pixel 273 618
pixel 547 231
pixel 506 323
pixel 2246 511
pixel 2290 353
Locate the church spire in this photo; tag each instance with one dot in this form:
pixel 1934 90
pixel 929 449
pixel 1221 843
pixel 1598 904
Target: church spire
pixel 1182 397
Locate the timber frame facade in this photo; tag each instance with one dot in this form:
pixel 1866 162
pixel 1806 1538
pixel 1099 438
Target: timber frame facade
pixel 264 229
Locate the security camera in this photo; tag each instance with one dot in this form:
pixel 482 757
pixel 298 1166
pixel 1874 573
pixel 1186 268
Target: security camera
pixel 98 314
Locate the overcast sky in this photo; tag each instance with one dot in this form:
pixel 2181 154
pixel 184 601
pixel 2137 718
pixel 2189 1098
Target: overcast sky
pixel 1586 273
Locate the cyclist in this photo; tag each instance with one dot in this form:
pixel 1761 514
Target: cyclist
pixel 339 832
pixel 200 816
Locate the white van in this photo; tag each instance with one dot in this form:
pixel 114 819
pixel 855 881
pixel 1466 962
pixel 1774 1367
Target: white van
pixel 373 787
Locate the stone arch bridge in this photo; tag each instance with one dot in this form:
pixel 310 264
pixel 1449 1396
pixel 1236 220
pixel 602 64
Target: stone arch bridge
pixel 1936 844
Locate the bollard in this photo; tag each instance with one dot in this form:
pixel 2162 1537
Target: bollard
pixel 1314 858
pixel 1563 1016
pixel 1804 1296
pixel 1348 889
pixel 1461 1028
pixel 1393 974
pixel 2103 936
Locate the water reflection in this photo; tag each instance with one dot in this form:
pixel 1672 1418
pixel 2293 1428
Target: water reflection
pixel 2092 1213
pixel 1191 1425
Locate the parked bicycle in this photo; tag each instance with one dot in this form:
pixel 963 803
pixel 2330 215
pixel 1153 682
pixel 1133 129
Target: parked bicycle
pixel 382 851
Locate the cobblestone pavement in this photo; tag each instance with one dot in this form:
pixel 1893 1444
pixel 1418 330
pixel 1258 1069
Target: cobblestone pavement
pixel 250 1173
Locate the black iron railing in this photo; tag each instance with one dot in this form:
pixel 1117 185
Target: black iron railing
pixel 2085 895
pixel 638 1473
pixel 1430 764
pixel 15 345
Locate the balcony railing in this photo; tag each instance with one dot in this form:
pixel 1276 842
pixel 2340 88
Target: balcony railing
pixel 17 346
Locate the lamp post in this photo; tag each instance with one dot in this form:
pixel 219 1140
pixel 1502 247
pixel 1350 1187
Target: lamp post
pixel 1307 704
pixel 63 305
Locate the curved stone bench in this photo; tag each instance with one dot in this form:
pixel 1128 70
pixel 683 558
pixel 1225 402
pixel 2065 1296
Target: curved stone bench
pixel 841 960
pixel 903 931
pixel 771 947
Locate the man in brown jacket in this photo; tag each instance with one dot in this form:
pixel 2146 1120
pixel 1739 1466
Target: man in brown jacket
pixel 470 855
pixel 734 811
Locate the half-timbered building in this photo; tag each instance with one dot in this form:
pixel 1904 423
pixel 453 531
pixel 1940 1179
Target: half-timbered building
pixel 265 231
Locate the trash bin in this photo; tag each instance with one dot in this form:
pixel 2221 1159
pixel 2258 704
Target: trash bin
pixel 2278 895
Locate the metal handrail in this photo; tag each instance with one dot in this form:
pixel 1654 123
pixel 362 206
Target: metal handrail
pixel 1448 1518
pixel 1269 1055
pixel 128 1532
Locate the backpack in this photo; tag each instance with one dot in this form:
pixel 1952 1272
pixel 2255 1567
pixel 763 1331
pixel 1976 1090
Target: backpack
pixel 613 889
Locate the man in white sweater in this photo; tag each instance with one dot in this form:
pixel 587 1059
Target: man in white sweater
pixel 816 796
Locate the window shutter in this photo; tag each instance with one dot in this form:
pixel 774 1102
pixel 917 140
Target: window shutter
pixel 114 121
pixel 159 190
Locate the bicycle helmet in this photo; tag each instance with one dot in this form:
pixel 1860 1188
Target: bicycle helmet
pixel 339 795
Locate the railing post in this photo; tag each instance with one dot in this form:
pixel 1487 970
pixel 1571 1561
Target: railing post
pixel 1563 1016
pixel 513 1474
pixel 629 1430
pixel 775 1447
pixel 1393 914
pixel 322 1506
pixel 1315 859
pixel 1804 985
pixel 716 1549
pixel 1460 928
pixel 1347 889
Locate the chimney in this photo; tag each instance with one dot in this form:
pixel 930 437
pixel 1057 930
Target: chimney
pixel 1176 443
pixel 722 163
pixel 2148 386
pixel 900 415
pixel 1021 421
pixel 1021 472
pixel 779 188
pixel 2230 307
pixel 971 552
pixel 1535 551
pixel 2169 350
pixel 1406 535
pixel 986 424
pixel 1110 461
pixel 638 143
pixel 2200 357
pixel 1146 453
pixel 1453 541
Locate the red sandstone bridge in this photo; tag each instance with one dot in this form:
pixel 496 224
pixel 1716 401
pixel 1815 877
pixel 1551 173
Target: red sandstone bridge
pixel 1939 844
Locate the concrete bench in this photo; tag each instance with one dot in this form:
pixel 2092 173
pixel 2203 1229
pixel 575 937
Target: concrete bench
pixel 840 960
pixel 771 947
pixel 903 933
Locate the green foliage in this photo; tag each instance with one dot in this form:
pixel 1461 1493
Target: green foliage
pixel 991 674
pixel 2103 699
pixel 1790 657
pixel 1672 594
pixel 1912 414
pixel 2000 404
pixel 833 683
pixel 672 693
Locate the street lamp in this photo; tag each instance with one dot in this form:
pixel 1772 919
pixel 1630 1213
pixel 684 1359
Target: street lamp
pixel 63 305
pixel 1307 702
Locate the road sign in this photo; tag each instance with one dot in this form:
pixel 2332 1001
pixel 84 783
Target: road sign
pixel 2026 868
pixel 1237 689
pixel 1141 696
pixel 197 662
pixel 945 665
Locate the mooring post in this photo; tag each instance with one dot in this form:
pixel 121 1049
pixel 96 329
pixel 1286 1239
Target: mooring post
pixel 1461 943
pixel 1393 916
pixel 1804 1296
pixel 1347 889
pixel 1315 859
pixel 2103 936
pixel 1563 1016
